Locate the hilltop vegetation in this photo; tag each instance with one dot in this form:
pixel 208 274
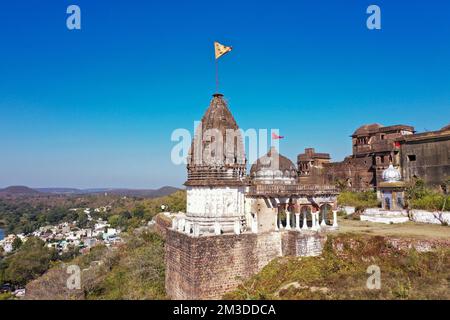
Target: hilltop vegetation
pixel 341 273
pixel 145 210
pixel 28 261
pixel 417 196
pixel 359 200
pixel 135 270
pixel 26 214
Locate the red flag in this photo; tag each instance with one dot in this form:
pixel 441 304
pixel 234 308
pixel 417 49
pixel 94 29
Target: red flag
pixel 276 137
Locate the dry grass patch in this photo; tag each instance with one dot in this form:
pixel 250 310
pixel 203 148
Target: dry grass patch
pixel 408 229
pixel 341 273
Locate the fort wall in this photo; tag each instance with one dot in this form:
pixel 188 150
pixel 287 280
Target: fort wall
pixel 427 158
pixel 207 267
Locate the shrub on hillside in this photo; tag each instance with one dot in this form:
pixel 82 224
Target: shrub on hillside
pixel 135 270
pixel 29 261
pixel 432 201
pixel 341 273
pixel 145 210
pixel 419 196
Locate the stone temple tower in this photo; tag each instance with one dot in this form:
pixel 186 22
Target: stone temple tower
pixel 216 173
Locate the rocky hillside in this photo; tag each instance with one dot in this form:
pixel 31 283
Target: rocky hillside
pixel 136 271
pixel 341 272
pixel 133 271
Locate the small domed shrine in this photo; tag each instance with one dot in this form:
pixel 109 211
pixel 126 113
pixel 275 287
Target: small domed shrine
pixel 391 174
pixel 392 189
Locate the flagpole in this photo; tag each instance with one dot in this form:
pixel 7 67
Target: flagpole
pixel 219 50
pixel 217 76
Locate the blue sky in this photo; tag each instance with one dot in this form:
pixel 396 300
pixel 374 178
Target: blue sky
pixel 96 107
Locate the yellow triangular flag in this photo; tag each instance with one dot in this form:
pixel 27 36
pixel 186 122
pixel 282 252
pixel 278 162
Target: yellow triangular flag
pixel 220 49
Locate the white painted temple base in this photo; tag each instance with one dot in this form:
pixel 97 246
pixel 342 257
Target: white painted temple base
pixel 214 209
pixel 379 215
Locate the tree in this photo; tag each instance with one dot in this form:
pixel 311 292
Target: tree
pixel 177 201
pixel 114 220
pixel 445 186
pixel 414 190
pixel 82 220
pixel 30 261
pixel 16 244
pixel 72 252
pixel 126 215
pixel 134 223
pixel 138 211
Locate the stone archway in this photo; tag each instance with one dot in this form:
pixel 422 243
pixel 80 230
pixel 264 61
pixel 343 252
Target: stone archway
pixel 305 212
pixel 326 214
pixel 282 208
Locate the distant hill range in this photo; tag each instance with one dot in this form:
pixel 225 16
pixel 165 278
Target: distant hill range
pixel 19 190
pixel 146 193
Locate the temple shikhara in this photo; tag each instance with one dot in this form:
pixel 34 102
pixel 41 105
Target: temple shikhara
pixel 238 221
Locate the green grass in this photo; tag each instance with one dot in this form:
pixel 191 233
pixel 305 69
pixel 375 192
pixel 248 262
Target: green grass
pixel 6 296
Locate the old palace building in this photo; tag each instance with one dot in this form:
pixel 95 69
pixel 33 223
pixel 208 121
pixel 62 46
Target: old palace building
pixel 376 147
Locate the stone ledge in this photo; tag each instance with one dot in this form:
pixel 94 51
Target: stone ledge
pixel 384 219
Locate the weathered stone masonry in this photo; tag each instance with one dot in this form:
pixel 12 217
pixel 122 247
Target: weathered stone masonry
pixel 207 267
pixel 303 245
